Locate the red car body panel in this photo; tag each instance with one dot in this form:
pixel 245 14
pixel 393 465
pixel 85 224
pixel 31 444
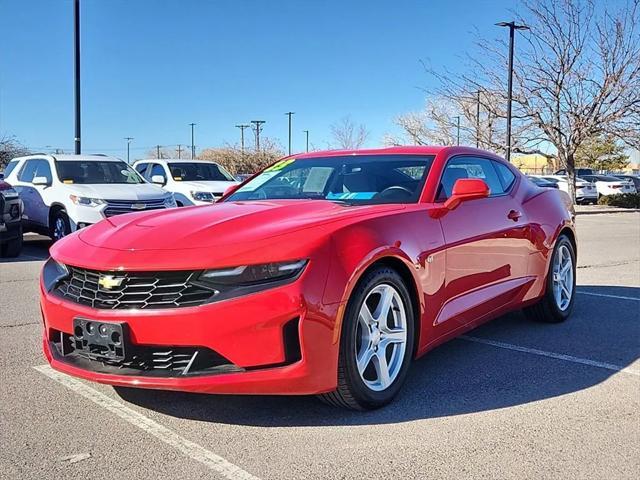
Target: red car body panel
pixel 463 267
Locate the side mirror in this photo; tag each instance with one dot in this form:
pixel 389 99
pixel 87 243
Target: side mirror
pixel 466 189
pixel 230 190
pixel 159 180
pixel 41 181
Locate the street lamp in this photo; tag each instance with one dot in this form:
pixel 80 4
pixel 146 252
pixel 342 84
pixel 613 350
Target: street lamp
pixel 512 28
pixel 76 71
pixel 457 117
pixel 289 114
pixel 193 147
pixel 128 139
pixel 306 132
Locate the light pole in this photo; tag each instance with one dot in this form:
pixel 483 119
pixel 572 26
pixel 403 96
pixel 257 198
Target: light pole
pixel 257 127
pixel 179 151
pixel 76 70
pixel 290 114
pixel 306 132
pixel 458 134
pixel 478 121
pixel 158 151
pixel 193 146
pixel 242 126
pixel 128 139
pixel 512 28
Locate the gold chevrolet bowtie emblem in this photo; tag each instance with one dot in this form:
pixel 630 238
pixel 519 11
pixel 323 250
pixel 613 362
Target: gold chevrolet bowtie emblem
pixel 109 281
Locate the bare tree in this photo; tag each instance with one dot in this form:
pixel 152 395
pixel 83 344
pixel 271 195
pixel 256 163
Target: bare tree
pixel 10 148
pixel 576 76
pixel 347 135
pixel 233 159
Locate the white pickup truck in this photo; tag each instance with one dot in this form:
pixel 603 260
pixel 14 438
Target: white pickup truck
pixel 62 193
pixel 192 182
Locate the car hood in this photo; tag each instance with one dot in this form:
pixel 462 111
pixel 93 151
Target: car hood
pixel 206 186
pixel 227 224
pixel 141 191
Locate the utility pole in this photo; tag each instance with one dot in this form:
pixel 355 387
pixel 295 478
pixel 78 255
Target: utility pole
pixel 242 127
pixel 76 70
pixel 512 28
pixel 128 139
pixel 158 151
pixel 306 132
pixel 257 128
pixel 193 146
pixel 458 119
pixel 290 114
pixel 478 121
pixel 179 152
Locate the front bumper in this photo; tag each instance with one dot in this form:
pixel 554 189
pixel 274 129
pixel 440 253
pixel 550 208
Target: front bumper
pixel 247 331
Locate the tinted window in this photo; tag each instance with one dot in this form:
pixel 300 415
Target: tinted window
pixel 156 169
pixel 35 168
pixel 198 171
pixel 357 179
pixel 10 167
pixel 96 172
pixel 507 177
pixel 468 167
pixel 141 168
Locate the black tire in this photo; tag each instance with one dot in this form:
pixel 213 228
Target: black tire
pixel 13 247
pixel 58 216
pixel 352 392
pixel 547 309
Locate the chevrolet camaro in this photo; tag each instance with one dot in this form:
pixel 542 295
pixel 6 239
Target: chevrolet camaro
pixel 326 273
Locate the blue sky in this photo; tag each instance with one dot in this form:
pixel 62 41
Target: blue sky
pixel 150 67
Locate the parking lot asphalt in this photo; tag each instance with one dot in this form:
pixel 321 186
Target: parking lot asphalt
pixel 513 399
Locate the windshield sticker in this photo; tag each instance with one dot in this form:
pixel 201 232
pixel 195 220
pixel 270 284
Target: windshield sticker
pixel 276 167
pixel 317 179
pixel 68 181
pixel 177 179
pixel 351 196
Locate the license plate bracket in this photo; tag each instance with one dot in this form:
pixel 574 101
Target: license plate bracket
pixel 100 340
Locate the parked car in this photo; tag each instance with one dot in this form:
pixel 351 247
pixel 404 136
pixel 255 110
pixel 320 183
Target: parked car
pixel 327 273
pixel 585 191
pixel 63 193
pixel 609 185
pixel 10 221
pixel 541 182
pixel 192 182
pixel 635 179
pixel 580 172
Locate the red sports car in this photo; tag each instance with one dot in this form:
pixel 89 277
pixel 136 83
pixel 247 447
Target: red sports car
pixel 326 273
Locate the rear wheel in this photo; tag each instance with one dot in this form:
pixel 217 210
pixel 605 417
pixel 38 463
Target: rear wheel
pixel 556 304
pixel 376 344
pixel 60 225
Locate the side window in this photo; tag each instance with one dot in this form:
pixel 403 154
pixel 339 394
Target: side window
pixel 157 169
pixel 43 170
pixel 507 177
pixel 141 168
pixel 10 167
pixel 468 167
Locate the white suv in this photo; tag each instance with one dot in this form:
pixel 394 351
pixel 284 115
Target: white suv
pixel 63 193
pixel 192 182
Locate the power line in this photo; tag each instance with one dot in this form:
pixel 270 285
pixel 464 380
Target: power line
pixel 257 128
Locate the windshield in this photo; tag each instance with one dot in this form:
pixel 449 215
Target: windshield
pixel 96 172
pixel 188 172
pixel 366 179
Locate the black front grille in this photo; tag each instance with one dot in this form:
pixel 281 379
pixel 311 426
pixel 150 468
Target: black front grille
pixel 138 290
pixel 118 207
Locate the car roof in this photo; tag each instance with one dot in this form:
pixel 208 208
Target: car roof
pixel 173 160
pixel 67 158
pixel 398 150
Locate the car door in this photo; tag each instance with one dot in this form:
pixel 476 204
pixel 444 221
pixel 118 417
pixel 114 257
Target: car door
pixel 486 242
pixel 36 209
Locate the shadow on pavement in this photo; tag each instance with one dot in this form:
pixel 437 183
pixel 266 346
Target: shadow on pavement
pixel 456 378
pixel 34 248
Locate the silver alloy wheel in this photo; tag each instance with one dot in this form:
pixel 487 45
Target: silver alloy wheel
pixel 59 228
pixel 381 337
pixel 563 277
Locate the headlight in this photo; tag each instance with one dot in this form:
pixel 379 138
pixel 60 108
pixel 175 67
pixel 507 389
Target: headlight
pixel 86 201
pixel 202 196
pixel 245 279
pixel 52 273
pixel 170 202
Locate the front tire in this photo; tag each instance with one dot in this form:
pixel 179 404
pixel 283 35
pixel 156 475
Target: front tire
pixel 60 226
pixel 560 291
pixel 376 345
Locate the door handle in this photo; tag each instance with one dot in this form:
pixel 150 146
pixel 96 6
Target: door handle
pixel 514 215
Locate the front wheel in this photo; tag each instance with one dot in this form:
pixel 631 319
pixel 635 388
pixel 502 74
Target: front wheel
pixel 376 345
pixel 556 304
pixel 60 226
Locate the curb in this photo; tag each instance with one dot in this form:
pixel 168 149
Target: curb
pixel 607 210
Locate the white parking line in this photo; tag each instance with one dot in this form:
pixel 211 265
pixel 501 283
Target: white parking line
pixel 187 447
pixel 621 297
pixel 557 356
